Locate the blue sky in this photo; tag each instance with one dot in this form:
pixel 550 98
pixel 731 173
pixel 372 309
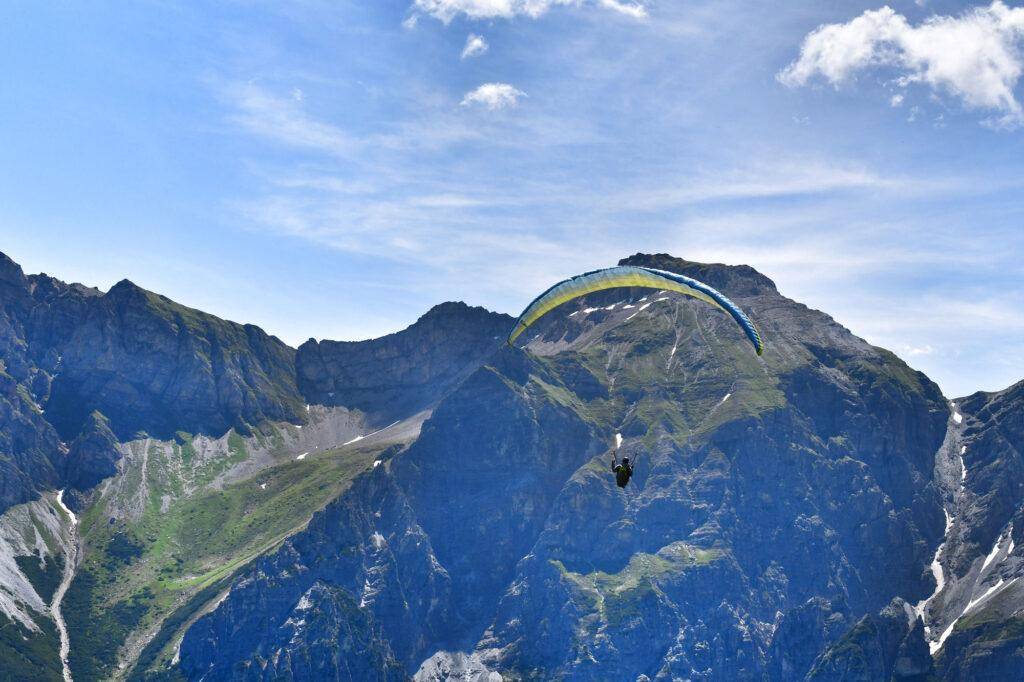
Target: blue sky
pixel 332 169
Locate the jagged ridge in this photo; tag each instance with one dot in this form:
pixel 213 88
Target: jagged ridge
pixel 802 476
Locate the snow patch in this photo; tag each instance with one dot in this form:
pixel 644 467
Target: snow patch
pixel 367 593
pixel 958 418
pixel 71 514
pixel 378 540
pixel 725 398
pixel 302 456
pixel 937 573
pixel 376 463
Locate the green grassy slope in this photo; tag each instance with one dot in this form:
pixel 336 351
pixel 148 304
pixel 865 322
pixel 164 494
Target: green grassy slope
pixel 168 531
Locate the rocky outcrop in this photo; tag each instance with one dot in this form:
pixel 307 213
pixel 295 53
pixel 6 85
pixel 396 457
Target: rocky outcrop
pixel 982 606
pixel 789 496
pixel 886 646
pixel 156 367
pixel 398 375
pixel 147 364
pixel 92 456
pixel 30 449
pixel 424 544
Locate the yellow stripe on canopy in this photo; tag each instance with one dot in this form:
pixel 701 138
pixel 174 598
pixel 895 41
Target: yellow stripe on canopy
pixel 600 281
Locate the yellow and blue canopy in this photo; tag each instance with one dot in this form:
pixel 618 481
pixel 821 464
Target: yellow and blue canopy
pixel 631 276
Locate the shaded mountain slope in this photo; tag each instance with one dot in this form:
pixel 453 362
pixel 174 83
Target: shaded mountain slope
pixel 981 610
pixel 400 374
pixel 763 487
pixel 185 446
pixel 142 362
pixel 150 365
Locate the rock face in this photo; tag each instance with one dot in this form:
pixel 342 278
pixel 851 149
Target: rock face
pixel 777 502
pixel 133 360
pixel 400 374
pixel 92 456
pixel 151 365
pixel 887 646
pixel 982 607
pixel 30 449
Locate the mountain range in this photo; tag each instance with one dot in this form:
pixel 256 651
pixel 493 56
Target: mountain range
pixel 185 497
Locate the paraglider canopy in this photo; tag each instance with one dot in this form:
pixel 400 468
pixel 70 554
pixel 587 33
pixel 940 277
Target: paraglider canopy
pixel 631 276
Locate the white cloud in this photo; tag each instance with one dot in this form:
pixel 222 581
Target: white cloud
pixel 631 9
pixel 494 96
pixel 446 10
pixel 913 351
pixel 475 45
pixel 896 100
pixel 977 57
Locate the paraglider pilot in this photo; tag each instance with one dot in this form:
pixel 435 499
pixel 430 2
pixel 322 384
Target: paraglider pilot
pixel 623 471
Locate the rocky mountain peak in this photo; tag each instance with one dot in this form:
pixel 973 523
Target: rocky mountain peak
pixel 10 272
pixel 455 311
pixel 125 291
pixel 733 280
pixel 398 374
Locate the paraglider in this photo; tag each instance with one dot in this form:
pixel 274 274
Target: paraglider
pixel 631 276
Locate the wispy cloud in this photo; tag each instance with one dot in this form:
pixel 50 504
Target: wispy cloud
pixel 283 119
pixel 464 203
pixel 762 180
pixel 978 56
pixel 446 10
pixel 475 46
pixel 494 96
